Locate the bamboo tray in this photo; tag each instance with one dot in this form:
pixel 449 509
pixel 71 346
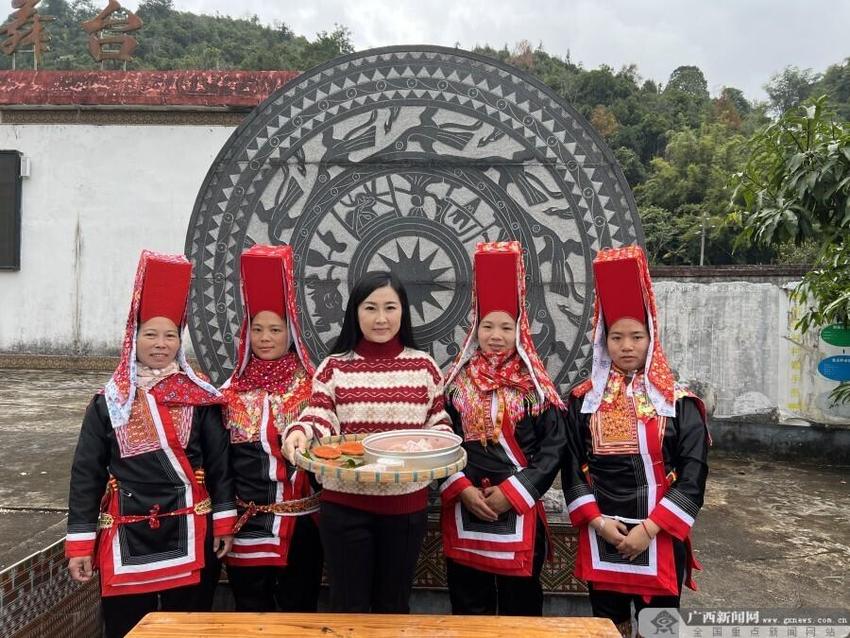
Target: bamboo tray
pixel 355 475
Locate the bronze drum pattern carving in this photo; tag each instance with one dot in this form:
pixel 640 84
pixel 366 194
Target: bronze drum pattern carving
pixel 404 158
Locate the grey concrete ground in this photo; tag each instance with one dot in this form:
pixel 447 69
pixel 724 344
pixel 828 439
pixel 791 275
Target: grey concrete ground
pixel 773 533
pixel 40 415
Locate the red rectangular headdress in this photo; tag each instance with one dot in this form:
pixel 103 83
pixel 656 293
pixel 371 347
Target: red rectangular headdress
pixel 495 282
pixel 263 279
pixel 268 284
pixel 618 289
pixel 160 289
pixel 624 289
pixel 165 289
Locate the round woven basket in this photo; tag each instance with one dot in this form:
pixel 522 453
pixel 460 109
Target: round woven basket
pixel 354 475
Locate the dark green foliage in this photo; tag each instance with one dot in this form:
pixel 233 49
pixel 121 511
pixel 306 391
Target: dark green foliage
pixel 835 82
pixel 795 187
pixel 685 194
pixel 789 87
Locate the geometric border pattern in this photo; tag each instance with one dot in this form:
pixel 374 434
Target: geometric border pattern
pixel 544 175
pixel 38 598
pixel 556 578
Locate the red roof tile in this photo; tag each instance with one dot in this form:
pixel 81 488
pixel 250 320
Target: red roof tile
pixel 140 88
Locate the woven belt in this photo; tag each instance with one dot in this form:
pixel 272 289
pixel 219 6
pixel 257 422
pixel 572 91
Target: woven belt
pixel 105 520
pixel 298 507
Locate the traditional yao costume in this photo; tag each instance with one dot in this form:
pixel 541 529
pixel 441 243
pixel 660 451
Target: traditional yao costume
pixel 511 418
pixel 150 481
pixel 637 449
pixel 276 560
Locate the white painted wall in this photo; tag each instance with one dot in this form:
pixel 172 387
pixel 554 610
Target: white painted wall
pixel 729 334
pixel 739 337
pixel 96 197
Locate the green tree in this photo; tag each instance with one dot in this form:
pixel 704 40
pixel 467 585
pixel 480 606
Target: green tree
pixel 835 83
pixel 600 87
pixel 789 87
pixel 155 8
pixel 796 182
pixel 631 165
pixel 690 182
pixel 756 119
pixel 59 9
pixel 668 235
pixel 688 80
pixel 795 187
pixel 686 97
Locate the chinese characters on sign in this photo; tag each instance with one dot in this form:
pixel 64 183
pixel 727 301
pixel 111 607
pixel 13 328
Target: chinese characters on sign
pixel 25 28
pixel 738 623
pixel 109 33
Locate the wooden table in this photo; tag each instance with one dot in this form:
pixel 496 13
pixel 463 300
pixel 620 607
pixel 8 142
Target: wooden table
pixel 241 625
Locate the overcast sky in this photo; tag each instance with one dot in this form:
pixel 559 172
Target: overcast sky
pixel 735 42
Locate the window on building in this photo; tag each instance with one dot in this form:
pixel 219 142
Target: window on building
pixel 10 210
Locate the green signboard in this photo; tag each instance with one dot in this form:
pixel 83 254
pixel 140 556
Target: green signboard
pixel 836 335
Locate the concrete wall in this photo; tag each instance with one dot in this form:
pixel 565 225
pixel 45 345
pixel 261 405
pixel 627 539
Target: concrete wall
pixel 728 334
pixel 97 196
pixel 739 337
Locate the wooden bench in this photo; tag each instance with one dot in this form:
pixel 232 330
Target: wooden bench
pixel 236 625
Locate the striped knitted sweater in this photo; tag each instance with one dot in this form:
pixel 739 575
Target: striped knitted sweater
pixel 375 388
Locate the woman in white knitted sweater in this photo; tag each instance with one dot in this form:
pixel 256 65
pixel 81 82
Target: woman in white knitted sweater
pixel 374 380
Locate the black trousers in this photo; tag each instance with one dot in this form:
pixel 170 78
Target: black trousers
pixel 618 607
pixel 371 558
pixel 476 592
pixel 293 588
pixel 122 613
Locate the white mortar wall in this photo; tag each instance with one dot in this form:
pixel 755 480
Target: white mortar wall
pixel 97 195
pixel 729 334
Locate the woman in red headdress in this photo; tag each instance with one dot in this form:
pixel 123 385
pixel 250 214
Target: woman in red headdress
pixel 276 560
pixel 506 408
pixel 151 502
pixel 636 459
